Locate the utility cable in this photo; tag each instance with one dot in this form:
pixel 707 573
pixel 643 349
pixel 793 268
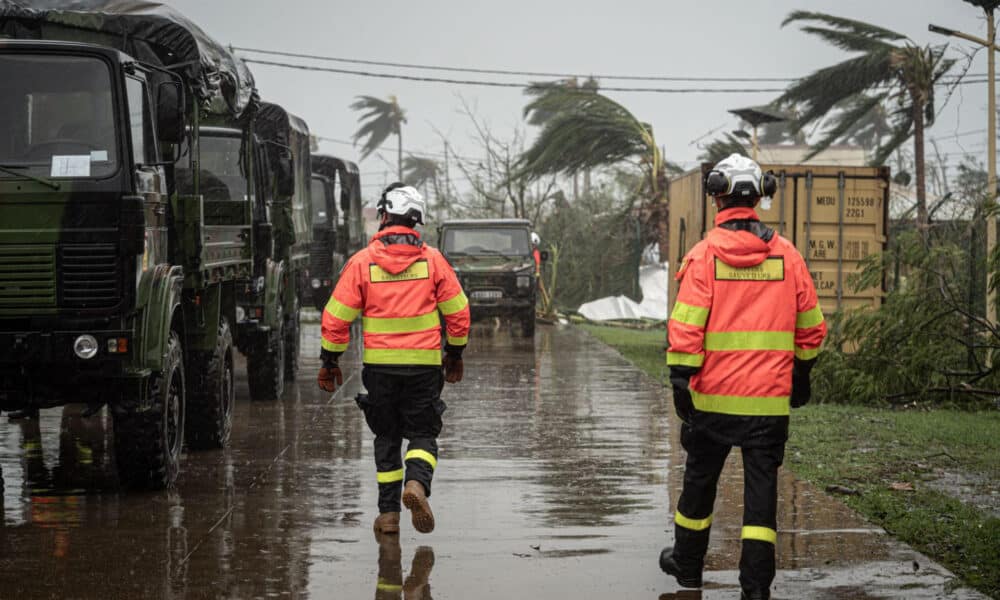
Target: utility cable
pixel 510 84
pixel 378 63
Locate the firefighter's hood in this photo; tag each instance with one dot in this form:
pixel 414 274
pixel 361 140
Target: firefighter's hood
pixel 738 248
pixel 396 248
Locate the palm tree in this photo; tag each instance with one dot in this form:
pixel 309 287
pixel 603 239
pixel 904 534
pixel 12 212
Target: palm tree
pixel 888 70
pixel 583 129
pixel 384 118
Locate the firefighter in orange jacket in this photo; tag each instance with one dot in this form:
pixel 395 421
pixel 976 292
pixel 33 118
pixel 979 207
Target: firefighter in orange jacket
pixel 744 333
pixel 399 285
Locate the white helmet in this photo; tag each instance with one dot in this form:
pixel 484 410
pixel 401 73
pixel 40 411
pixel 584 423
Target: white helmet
pixel 405 201
pixel 740 177
pixel 535 240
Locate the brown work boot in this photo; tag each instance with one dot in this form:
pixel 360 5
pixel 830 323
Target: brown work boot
pixel 387 522
pixel 415 500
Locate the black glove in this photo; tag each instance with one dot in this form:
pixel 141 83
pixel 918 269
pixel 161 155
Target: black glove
pixel 329 377
pixel 680 378
pixel 683 405
pixel 454 368
pixel 801 390
pixel 801 387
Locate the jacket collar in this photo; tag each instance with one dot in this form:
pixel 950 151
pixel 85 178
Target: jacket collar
pixel 736 213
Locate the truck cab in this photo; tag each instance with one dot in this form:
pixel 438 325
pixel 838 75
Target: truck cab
pixel 337 222
pixel 493 260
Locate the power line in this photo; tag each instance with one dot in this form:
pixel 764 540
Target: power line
pixel 482 71
pixel 510 84
pixel 377 63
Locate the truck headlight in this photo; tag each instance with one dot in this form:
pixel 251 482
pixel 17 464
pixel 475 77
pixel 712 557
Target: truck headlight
pixel 524 281
pixel 85 346
pixel 315 284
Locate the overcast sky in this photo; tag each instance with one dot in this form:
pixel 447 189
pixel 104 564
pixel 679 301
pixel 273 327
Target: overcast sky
pixel 719 38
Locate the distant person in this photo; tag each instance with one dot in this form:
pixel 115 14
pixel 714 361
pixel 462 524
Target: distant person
pixel 536 253
pixel 743 336
pixel 399 285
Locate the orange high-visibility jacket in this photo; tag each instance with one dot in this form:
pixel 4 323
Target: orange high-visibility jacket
pixel 398 285
pixel 745 310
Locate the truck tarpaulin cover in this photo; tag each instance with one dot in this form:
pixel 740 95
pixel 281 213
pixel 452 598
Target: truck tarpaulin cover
pixel 148 31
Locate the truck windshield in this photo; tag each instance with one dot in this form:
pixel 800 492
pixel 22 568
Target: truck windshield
pixel 319 201
pixel 221 176
pixel 58 116
pixel 480 241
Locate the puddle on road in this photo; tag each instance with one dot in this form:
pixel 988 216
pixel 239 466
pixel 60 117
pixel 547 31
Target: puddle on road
pixel 553 448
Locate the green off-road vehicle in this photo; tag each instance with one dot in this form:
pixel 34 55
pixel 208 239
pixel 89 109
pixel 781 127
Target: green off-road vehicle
pixel 493 260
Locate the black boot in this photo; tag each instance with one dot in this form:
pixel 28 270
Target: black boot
pixel 756 594
pixel 686 577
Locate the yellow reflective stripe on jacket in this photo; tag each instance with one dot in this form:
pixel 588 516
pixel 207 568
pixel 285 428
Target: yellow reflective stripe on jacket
pixel 692 524
pixel 330 346
pixel 392 356
pixel 458 341
pixel 402 324
pixel 759 406
pixel 749 340
pixel 806 353
pixel 764 534
pixel 810 318
pixel 390 476
pixel 342 311
pixel 689 314
pixel 683 359
pixel 457 303
pixel 423 455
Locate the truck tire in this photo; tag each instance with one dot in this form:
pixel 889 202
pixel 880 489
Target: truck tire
pixel 148 442
pixel 528 323
pixel 292 344
pixel 266 368
pixel 211 394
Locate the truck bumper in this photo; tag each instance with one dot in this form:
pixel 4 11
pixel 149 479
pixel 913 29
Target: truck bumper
pixel 40 369
pixel 505 307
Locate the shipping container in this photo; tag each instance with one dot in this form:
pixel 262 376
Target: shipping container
pixel 835 216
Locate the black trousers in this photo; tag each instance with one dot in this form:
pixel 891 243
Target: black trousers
pixel 692 524
pixel 403 402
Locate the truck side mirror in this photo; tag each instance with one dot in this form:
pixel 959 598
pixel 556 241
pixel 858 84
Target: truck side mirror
pixel 170 112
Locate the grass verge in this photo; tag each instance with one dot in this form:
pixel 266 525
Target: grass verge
pixel 872 451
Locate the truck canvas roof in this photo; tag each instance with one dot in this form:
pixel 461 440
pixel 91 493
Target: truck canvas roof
pixel 150 32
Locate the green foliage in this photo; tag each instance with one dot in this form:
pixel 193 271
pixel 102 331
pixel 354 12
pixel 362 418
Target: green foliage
pixel 926 341
pixel 600 244
pixel 887 70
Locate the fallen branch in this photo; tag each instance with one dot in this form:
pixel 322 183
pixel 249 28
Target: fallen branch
pixel 944 390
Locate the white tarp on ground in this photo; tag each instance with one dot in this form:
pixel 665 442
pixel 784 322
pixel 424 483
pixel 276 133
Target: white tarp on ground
pixel 653 280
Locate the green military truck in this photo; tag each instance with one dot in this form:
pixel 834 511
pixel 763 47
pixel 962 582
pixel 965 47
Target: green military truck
pixel 271 335
pixel 128 240
pixel 338 223
pixel 494 262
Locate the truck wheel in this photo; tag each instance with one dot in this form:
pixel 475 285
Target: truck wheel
pixel 148 441
pixel 266 368
pixel 211 394
pixel 292 345
pixel 528 323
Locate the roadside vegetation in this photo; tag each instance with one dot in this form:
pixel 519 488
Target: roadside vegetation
pixel 928 475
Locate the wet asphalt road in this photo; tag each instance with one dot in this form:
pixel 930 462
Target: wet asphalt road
pixel 559 469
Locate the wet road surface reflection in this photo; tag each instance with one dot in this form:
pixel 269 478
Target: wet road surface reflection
pixel 559 467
